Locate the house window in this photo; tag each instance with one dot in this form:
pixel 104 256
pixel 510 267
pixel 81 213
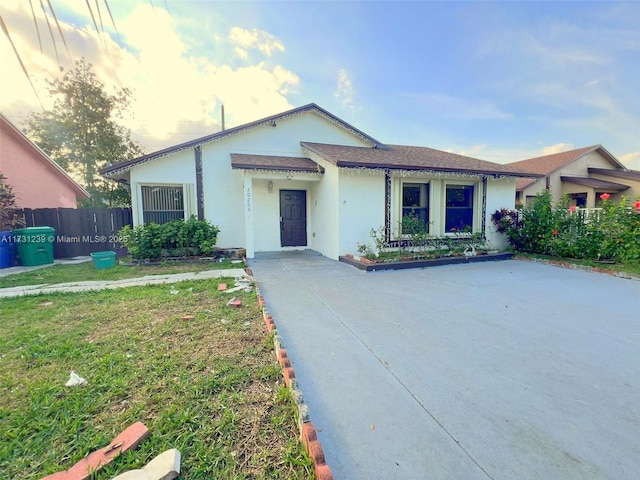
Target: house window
pixel 415 202
pixel 162 204
pixel 579 199
pixel 459 208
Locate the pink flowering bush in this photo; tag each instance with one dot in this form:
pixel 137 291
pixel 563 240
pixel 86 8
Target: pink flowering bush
pixel 566 231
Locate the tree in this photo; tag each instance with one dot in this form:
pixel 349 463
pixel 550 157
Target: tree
pixel 9 217
pixel 81 135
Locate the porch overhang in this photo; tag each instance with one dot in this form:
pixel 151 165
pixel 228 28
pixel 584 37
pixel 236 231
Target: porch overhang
pixel 274 163
pixel 595 183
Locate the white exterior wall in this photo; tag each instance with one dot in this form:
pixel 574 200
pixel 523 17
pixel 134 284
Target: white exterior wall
pixel 224 188
pixel 500 194
pixel 177 169
pixel 322 207
pixel 361 207
pixel 266 207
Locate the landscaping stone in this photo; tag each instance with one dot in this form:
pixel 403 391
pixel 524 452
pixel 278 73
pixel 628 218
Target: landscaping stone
pixel 165 466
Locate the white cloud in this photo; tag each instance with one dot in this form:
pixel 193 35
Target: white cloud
pixel 631 160
pixel 176 92
pixel 257 39
pixel 557 148
pixel 344 90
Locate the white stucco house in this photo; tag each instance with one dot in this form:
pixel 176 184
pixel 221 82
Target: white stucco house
pixel 307 179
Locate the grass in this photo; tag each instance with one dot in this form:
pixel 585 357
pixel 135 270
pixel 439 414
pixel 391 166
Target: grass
pixel 209 386
pixel 628 268
pixel 87 271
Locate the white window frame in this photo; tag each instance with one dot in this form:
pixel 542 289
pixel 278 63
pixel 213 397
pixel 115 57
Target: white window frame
pixel 188 198
pixel 476 221
pixel 421 183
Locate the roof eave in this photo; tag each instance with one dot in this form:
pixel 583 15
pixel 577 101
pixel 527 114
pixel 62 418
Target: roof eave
pixel 247 166
pixel 271 120
pixel 347 164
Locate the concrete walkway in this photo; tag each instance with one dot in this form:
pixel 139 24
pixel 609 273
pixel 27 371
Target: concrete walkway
pixel 109 285
pixel 498 370
pixel 5 272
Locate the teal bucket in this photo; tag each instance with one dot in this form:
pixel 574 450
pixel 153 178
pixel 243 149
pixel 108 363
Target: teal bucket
pixel 103 260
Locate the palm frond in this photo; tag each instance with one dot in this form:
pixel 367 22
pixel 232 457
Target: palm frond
pixel 99 15
pixel 106 4
pixel 15 50
pixel 55 17
pixel 53 40
pixel 35 22
pixel 95 24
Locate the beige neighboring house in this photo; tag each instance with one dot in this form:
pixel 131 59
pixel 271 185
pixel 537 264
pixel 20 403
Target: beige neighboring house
pixel 582 174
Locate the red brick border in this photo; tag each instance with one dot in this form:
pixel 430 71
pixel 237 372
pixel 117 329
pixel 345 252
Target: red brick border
pixel 308 434
pixel 128 439
pixel 574 266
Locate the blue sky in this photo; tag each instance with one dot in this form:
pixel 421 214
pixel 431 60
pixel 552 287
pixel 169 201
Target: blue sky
pixel 500 81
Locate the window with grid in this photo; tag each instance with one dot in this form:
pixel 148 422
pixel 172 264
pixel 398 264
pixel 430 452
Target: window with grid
pixel 415 203
pixel 162 204
pixel 459 208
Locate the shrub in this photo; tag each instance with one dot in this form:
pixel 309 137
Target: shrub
pixel 613 233
pixel 173 239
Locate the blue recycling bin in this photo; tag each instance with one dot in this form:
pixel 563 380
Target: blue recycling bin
pixel 7 250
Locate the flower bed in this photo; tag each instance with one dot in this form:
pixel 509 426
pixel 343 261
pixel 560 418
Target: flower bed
pixel 402 263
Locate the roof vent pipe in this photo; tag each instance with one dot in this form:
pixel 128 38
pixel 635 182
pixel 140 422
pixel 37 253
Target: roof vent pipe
pixel 222 115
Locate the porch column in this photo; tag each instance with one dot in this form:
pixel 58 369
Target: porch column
pixel 248 215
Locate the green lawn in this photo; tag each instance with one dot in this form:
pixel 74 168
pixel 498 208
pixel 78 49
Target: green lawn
pixel 87 271
pixel 630 269
pixel 209 386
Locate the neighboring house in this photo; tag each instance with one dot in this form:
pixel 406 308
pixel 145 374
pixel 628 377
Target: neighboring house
pixel 305 178
pixel 582 174
pixel 37 181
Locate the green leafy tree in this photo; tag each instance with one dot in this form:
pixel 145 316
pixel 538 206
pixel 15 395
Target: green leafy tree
pixel 82 135
pixel 9 216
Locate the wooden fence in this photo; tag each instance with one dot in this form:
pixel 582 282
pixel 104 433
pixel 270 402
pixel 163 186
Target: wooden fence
pixel 81 231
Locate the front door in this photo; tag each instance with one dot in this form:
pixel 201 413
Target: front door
pixel 293 218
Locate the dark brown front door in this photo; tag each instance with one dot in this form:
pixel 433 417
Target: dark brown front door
pixel 293 218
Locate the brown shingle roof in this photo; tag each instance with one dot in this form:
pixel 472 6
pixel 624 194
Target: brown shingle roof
pixel 409 158
pixel 595 183
pixel 630 174
pixel 271 162
pixel 546 164
pixel 120 167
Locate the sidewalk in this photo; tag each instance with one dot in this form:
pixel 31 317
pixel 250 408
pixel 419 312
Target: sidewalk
pixel 113 284
pixel 5 272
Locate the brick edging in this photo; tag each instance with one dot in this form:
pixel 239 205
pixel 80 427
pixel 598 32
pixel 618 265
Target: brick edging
pixel 308 434
pixel 573 266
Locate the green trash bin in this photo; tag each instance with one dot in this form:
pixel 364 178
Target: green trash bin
pixel 34 245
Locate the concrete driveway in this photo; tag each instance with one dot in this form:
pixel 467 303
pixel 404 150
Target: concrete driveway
pixel 501 370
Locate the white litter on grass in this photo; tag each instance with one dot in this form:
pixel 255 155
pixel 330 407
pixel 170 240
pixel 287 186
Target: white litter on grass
pixel 173 291
pixel 75 380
